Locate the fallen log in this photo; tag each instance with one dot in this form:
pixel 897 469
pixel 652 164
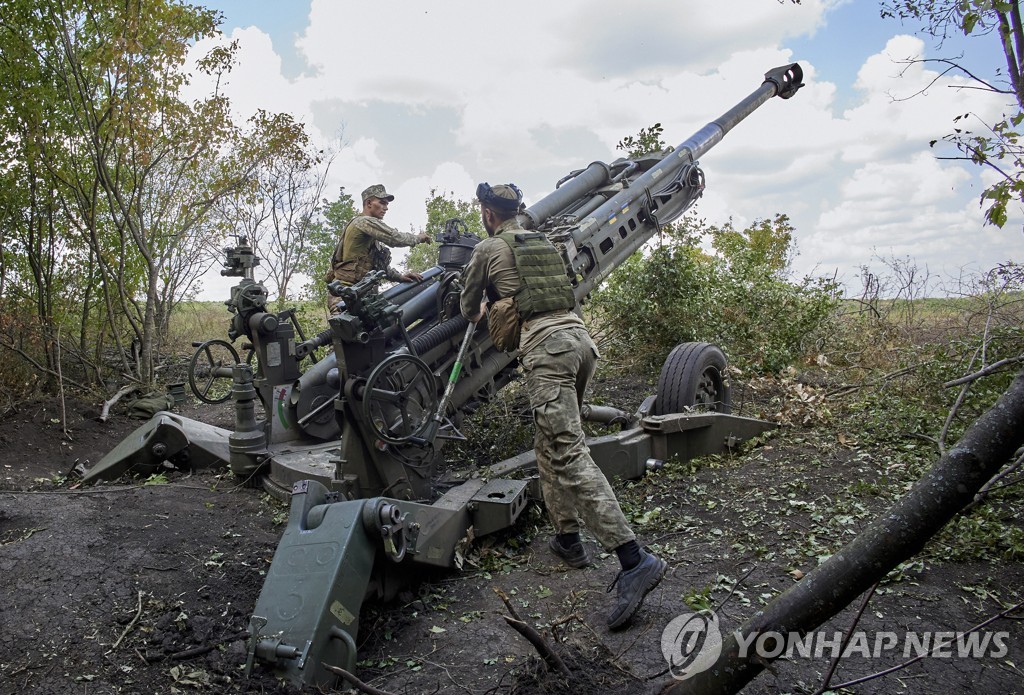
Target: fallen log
pixel 894 537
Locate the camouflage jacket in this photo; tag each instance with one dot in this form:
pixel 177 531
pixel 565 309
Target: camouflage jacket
pixel 363 247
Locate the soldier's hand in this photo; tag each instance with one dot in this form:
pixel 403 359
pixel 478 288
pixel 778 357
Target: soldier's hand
pixel 424 238
pixel 412 277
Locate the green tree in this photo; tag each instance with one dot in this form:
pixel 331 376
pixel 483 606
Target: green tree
pixel 738 298
pixel 442 207
pixel 288 195
pixel 767 244
pixel 645 142
pixel 126 171
pixel 995 145
pixel 321 240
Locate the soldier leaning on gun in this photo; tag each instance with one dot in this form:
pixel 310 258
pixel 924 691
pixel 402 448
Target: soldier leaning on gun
pixel 559 358
pixel 364 242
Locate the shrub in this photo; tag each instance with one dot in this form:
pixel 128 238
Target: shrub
pixel 738 298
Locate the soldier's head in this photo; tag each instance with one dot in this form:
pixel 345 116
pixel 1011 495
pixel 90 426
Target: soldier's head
pixel 375 201
pixel 498 203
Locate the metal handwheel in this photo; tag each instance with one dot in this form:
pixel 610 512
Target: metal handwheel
pixel 399 399
pixel 209 371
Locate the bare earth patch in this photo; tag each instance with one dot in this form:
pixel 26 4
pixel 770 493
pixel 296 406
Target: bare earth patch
pixel 136 588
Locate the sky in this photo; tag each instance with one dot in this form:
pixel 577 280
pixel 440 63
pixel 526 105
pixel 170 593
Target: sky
pixel 438 95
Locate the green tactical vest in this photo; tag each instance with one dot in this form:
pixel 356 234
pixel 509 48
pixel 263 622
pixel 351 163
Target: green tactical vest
pixel 545 285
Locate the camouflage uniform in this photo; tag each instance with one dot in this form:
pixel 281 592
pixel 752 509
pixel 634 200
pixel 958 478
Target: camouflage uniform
pixel 559 359
pixel 363 247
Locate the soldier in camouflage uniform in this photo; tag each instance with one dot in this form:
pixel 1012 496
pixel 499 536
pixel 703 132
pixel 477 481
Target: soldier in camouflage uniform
pixel 364 243
pixel 558 358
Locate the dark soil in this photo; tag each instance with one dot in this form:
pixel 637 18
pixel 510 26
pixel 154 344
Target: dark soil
pixel 133 588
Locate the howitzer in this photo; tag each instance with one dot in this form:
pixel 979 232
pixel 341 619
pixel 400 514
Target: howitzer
pixel 355 439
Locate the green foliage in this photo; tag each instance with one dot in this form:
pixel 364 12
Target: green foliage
pixel 994 145
pixel 699 599
pixel 739 299
pixel 113 174
pixel 922 347
pixel 766 246
pixel 440 209
pixel 320 242
pixel 499 429
pixel 988 533
pixel 647 141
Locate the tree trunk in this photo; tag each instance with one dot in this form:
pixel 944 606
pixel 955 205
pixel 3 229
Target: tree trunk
pixel 892 538
pixel 147 352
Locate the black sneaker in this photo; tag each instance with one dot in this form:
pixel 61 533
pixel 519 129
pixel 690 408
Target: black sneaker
pixel 574 556
pixel 634 584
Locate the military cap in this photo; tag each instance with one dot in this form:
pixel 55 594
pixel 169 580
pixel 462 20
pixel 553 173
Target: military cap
pixel 377 191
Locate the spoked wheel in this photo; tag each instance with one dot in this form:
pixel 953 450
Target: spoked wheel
pixel 400 399
pixel 693 379
pixel 209 371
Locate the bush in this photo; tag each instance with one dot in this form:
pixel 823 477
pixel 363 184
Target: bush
pixel 738 298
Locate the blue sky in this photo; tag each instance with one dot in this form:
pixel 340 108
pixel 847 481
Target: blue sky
pixel 442 94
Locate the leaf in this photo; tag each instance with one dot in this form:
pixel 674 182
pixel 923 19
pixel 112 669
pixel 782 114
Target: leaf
pixel 970 21
pixel 437 630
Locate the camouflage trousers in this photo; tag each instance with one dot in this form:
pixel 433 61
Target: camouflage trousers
pixel 557 373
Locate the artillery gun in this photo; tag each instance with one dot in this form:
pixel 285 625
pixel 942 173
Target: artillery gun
pixel 354 440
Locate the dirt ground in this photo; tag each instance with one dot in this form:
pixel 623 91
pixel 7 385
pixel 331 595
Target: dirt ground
pixel 133 588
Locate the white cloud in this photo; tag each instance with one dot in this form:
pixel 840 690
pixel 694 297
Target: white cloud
pixel 445 94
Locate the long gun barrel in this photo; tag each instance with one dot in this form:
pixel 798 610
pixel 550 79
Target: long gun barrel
pixel 606 212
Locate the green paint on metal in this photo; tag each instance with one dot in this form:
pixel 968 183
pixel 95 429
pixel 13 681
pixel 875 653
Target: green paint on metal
pixel 280 408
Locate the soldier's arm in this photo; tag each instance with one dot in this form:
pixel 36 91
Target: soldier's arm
pixel 375 228
pixel 474 282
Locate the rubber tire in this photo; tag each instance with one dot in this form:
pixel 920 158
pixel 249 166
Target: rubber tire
pixel 693 374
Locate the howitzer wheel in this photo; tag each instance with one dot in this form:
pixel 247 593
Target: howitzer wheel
pixel 693 378
pixel 400 399
pixel 209 371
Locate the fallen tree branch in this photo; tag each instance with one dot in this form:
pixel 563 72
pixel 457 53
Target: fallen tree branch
pixel 994 367
pixel 129 626
pixel 850 388
pixel 196 651
pixel 735 586
pixel 508 603
pixel 199 651
pixel 987 487
pixel 846 640
pixel 74 491
pixel 25 356
pixel 355 682
pixel 552 659
pixel 893 537
pixel 949 417
pixel 939 645
pixel 125 390
pixel 25 537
